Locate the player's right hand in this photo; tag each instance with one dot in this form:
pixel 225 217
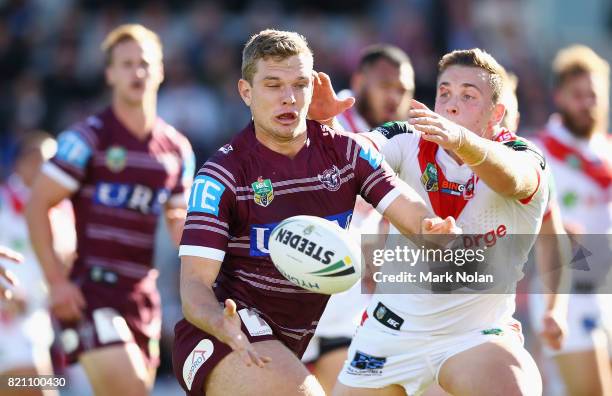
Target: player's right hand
pixel 234 337
pixel 67 301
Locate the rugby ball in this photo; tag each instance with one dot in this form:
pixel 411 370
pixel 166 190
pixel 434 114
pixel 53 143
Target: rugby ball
pixel 315 254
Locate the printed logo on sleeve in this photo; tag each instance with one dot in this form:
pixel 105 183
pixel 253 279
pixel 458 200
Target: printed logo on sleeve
pixel 73 149
pixel 205 195
pixel 371 155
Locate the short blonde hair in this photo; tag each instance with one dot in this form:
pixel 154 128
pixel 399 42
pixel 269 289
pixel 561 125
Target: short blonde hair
pixel 268 43
pixel 578 59
pixel 476 57
pixel 128 32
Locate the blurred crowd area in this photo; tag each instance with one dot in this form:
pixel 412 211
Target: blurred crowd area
pixel 51 67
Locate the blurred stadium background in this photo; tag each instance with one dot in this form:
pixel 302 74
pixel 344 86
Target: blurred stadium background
pixel 51 68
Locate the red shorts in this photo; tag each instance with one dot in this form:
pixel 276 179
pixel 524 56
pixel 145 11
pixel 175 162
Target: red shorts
pixel 195 353
pixel 119 310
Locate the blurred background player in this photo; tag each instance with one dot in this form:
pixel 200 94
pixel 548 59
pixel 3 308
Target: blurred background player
pixel 7 278
pixel 121 168
pixel 25 325
pixel 382 87
pixel 577 147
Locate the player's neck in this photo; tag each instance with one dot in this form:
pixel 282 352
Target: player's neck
pixel 288 148
pixel 137 119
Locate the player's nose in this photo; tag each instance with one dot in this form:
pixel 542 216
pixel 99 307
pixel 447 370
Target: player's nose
pixel 288 97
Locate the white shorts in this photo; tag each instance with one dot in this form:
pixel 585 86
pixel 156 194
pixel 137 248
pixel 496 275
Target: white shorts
pixel 379 357
pixel 25 342
pixel 587 321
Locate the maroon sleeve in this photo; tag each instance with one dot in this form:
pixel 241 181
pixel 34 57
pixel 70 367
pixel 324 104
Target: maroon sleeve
pixel 210 207
pixel 375 179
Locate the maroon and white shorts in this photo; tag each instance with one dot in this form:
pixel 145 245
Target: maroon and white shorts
pixel 196 353
pixel 119 310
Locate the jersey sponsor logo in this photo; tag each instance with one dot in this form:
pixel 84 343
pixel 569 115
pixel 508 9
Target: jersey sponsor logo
pixel 429 178
pixel 205 195
pixel 136 197
pixel 260 233
pixel 253 323
pixel 488 239
pixel 387 317
pixel 452 188
pixel 330 178
pixel 196 359
pixel 263 192
pixel 116 158
pixel 371 155
pixel 73 149
pixel 366 365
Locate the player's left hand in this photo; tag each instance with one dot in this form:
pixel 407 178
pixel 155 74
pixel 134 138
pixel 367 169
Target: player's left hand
pixel 554 329
pixel 437 225
pixel 436 128
pixel 440 232
pixel 325 105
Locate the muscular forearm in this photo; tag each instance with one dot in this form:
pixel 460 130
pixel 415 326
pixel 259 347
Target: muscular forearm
pixel 407 211
pixel 201 308
pixel 505 171
pixel 41 238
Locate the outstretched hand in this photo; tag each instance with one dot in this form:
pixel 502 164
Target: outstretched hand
pixel 236 339
pixel 325 104
pixel 434 127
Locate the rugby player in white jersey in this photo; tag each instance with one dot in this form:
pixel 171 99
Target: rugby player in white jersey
pixel 382 86
pixel 25 324
pixel 469 343
pixel 578 150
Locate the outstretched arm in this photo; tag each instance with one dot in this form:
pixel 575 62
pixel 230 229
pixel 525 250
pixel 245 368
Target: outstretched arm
pixel 508 172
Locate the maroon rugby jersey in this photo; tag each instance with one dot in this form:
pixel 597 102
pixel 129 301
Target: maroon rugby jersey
pixel 120 185
pixel 246 189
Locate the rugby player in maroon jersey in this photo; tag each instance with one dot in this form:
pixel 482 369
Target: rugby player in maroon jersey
pixel 246 326
pixel 121 168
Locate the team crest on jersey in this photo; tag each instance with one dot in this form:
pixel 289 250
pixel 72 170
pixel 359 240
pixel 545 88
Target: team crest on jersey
pixel 468 191
pixel 330 178
pixel 116 158
pixel 263 192
pixel 429 178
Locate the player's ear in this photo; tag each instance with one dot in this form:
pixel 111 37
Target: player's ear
pixel 244 88
pixel 498 113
